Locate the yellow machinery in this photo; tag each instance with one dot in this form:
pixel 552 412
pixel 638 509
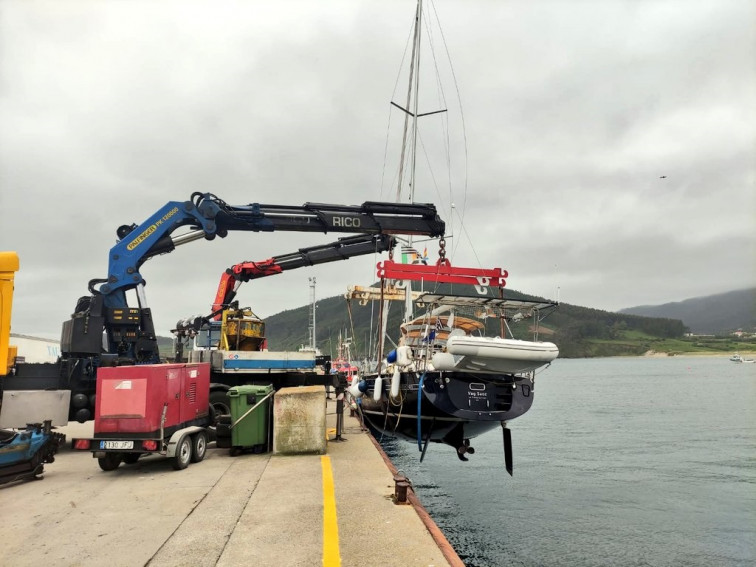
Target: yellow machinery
pixel 8 269
pixel 241 329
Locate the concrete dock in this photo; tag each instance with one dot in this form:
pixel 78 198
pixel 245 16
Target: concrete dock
pixel 251 509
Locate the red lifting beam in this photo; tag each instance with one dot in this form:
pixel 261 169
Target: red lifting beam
pixel 443 273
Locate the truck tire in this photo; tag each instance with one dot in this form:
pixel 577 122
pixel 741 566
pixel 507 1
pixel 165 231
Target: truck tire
pixel 223 432
pixel 110 461
pixel 183 453
pixel 220 402
pixel 199 446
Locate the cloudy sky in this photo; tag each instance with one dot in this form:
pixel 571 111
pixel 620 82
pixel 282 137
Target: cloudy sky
pixel 606 149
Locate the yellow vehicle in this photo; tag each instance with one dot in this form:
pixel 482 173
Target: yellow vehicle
pixel 29 392
pixel 8 269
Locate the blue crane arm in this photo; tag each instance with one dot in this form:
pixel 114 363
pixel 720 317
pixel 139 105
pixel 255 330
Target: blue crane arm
pixel 139 243
pixel 207 216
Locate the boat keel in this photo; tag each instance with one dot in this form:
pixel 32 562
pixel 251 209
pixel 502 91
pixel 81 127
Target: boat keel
pixel 508 458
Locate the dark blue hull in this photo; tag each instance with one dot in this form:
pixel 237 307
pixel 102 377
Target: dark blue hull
pixel 454 406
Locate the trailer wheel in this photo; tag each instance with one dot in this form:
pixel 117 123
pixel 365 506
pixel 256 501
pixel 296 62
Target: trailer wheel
pixel 183 453
pixel 199 446
pixel 131 458
pixel 109 462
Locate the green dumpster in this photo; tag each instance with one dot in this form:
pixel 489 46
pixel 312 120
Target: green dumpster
pixel 250 415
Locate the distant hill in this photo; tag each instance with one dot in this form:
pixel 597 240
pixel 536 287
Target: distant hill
pixel 713 314
pixel 578 331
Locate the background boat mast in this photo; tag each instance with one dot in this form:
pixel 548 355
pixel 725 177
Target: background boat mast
pixel 312 313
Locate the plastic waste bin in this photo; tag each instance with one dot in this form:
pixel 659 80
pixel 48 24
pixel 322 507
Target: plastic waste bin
pixel 250 416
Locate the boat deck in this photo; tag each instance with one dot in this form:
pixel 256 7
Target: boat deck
pixel 264 509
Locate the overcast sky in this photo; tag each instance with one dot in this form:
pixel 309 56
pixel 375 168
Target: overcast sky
pixel 608 149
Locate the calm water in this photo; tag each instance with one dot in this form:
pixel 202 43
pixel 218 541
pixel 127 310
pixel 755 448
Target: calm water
pixel 621 461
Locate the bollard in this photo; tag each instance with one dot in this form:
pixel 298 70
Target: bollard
pixel 401 485
pixel 339 414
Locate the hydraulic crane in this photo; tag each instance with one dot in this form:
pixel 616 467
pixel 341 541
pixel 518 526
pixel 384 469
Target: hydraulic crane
pixel 105 330
pixel 224 309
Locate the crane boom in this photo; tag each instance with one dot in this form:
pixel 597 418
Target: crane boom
pixel 342 249
pixel 207 216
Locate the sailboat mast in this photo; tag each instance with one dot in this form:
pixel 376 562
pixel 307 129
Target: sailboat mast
pixel 416 89
pixel 412 87
pixel 413 96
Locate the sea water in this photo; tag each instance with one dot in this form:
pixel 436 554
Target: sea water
pixel 621 461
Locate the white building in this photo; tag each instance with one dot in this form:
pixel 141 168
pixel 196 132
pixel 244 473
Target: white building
pixel 35 349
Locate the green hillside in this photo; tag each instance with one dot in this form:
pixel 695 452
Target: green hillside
pixel 165 345
pixel 578 331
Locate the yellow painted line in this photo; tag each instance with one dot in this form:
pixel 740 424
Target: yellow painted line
pixel 331 556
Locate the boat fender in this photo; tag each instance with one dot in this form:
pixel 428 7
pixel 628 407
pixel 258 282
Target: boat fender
pixel 443 361
pixel 395 380
pixel 378 389
pixel 391 357
pixel 404 356
pixel 358 389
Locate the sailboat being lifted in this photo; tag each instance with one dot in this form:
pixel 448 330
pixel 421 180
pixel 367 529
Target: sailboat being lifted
pixel 448 380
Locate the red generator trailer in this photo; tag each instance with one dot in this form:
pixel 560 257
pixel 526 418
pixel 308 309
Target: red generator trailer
pixel 150 408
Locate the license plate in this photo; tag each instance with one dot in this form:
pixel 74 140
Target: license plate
pixel 116 444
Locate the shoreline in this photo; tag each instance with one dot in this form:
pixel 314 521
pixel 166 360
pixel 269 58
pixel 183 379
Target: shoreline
pixel 655 354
